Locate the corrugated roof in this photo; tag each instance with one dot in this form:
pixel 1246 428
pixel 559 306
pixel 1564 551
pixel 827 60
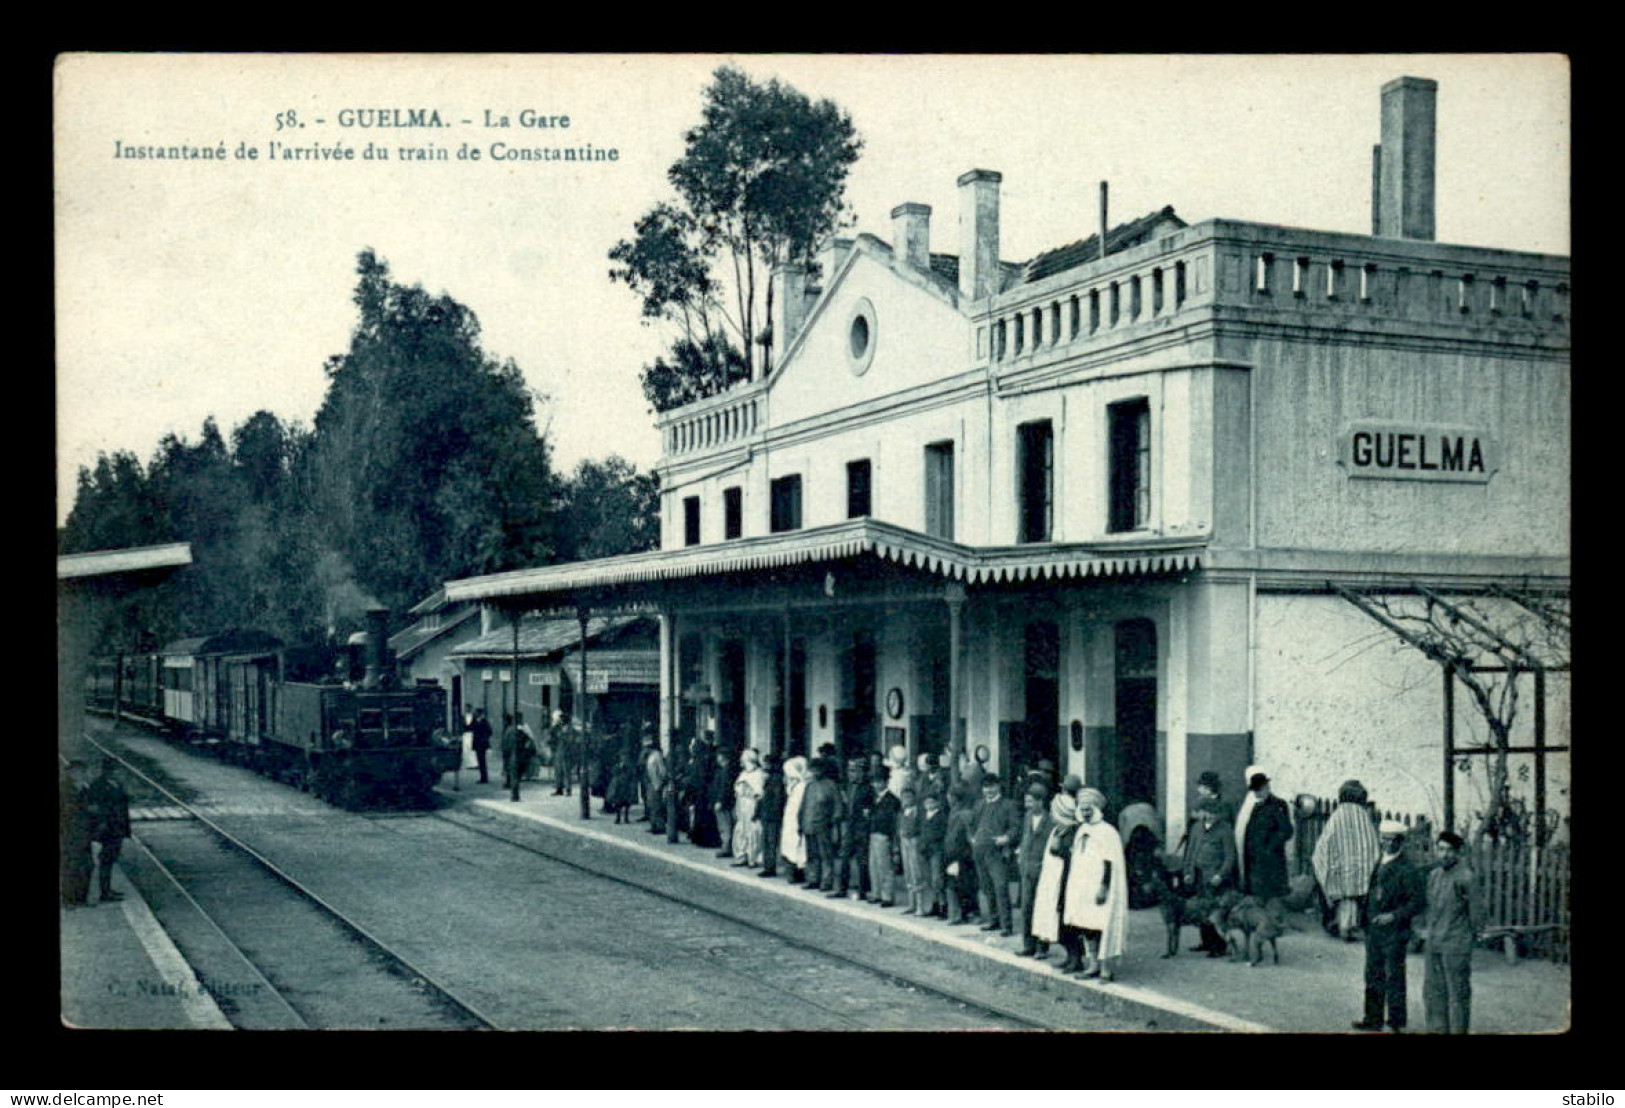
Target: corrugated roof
pixel 135 559
pixel 887 541
pixel 235 641
pixel 1121 237
pixel 539 637
pixel 619 667
pixel 416 637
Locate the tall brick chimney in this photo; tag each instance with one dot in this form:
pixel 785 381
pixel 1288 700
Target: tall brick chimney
pixel 979 233
pixel 1403 164
pixel 911 234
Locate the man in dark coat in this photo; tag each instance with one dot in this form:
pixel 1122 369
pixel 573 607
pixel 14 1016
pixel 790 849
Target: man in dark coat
pixel 852 850
pixel 820 823
pixel 724 771
pixel 1210 867
pixel 1036 825
pixel 1269 829
pixel 957 854
pixel 73 810
pixel 702 823
pixel 481 743
pixel 1397 897
pixel 770 811
pixel 109 823
pixel 995 830
pixel 517 751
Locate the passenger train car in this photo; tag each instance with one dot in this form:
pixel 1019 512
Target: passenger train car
pixel 354 741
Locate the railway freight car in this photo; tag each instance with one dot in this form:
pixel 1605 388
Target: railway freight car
pixel 354 740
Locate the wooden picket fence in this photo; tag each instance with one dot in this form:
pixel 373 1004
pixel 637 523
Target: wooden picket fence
pixel 1523 889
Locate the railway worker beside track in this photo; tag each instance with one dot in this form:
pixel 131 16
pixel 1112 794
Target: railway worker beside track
pixel 74 812
pixel 109 823
pixel 481 742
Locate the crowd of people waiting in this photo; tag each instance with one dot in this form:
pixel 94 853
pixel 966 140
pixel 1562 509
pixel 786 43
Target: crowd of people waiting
pixel 974 849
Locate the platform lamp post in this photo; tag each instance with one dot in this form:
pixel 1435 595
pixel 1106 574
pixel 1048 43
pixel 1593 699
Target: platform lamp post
pixel 586 732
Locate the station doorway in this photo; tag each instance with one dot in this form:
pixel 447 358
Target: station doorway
pixel 1131 769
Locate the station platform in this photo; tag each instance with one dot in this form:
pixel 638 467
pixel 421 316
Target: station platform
pixel 119 970
pixel 1317 987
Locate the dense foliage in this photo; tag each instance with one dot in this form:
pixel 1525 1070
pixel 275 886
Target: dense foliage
pixel 761 183
pixel 424 464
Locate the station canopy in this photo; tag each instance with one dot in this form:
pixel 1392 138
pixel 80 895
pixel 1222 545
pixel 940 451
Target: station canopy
pixel 841 542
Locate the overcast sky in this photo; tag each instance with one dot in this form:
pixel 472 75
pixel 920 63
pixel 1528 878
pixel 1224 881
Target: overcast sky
pixel 192 288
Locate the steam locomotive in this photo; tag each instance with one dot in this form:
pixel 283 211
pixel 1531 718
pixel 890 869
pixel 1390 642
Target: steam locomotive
pixel 353 737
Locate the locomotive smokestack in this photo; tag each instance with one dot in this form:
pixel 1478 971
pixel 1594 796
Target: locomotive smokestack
pixel 377 649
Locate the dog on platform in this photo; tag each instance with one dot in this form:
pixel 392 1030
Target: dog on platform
pixel 1247 924
pixel 1180 909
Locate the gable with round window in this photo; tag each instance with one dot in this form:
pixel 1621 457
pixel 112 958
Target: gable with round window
pixel 861 336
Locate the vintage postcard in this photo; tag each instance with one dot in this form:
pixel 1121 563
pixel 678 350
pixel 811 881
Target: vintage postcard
pixel 846 542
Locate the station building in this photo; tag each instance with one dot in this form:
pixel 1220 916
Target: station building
pixel 1096 506
pixel 618 691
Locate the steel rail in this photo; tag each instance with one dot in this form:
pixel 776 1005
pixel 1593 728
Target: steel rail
pixel 237 949
pixel 355 929
pixel 765 929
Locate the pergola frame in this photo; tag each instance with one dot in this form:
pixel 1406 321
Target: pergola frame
pixel 1454 664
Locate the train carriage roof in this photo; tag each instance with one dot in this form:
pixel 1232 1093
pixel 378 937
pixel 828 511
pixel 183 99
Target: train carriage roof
pixel 240 641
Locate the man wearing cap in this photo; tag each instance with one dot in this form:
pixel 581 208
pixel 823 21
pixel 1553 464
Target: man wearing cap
pixel 995 828
pixel 1036 824
pixel 109 822
pixel 1263 845
pixel 1210 867
pixel 1451 921
pixel 1396 898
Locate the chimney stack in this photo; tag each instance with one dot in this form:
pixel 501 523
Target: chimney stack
pixel 979 233
pixel 789 309
pixel 1104 225
pixel 911 234
pixel 1403 164
pixel 377 673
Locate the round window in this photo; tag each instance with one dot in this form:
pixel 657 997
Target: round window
pixel 860 337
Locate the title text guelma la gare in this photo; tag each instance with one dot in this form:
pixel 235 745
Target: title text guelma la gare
pixel 393 118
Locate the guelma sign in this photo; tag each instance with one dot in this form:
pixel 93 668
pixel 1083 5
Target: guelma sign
pixel 1417 452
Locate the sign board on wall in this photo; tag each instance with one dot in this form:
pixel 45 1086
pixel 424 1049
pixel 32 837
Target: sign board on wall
pixel 1417 452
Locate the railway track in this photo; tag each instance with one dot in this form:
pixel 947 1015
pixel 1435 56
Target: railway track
pixel 272 952
pixel 832 983
pixel 997 1016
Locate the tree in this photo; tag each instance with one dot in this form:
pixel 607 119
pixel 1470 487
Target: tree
pixel 761 183
pixel 427 461
pixel 608 508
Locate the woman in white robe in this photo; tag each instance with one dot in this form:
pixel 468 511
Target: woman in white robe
pixel 1052 876
pixel 792 843
pixel 1096 899
pixel 748 786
